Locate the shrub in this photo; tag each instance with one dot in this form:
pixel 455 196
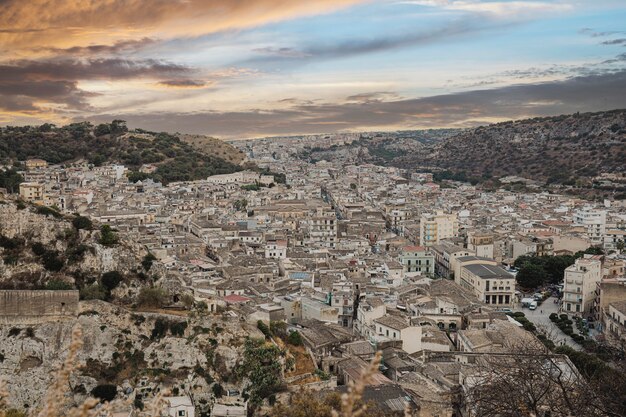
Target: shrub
pixel 110 280
pixel 554 317
pixel 107 236
pixel 81 222
pixel 264 329
pixel 160 329
pixel 93 292
pixel 105 392
pixel 295 338
pixel 57 285
pixel 147 261
pixel 218 390
pixel 152 297
pixel 178 328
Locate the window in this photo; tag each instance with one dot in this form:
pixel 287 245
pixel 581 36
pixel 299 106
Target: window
pixel 182 413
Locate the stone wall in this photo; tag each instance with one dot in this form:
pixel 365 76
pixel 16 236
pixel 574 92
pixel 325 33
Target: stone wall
pixel 32 307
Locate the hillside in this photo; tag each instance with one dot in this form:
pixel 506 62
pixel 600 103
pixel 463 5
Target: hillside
pixel 174 159
pixel 559 150
pixel 214 146
pixel 568 150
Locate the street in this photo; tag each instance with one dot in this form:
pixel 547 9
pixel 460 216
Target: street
pixel 541 318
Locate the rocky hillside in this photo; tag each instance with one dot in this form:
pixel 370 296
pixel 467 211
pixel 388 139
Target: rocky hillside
pixel 174 158
pixel 561 149
pixel 137 322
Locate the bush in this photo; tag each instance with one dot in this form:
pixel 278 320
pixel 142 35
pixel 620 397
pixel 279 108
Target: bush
pixel 554 317
pixel 58 285
pixel 110 280
pixel 218 390
pixel 152 297
pixel 48 211
pixel 107 236
pixel 93 292
pixel 51 261
pixel 147 261
pixel 295 339
pixel 160 329
pixel 264 329
pixel 178 328
pixel 105 392
pixel 81 222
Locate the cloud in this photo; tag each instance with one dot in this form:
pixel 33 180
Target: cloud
pixel 470 108
pixel 360 46
pixel 31 85
pixel 621 41
pixel 596 34
pixel 284 52
pixel 184 83
pixel 69 23
pixel 122 46
pixel 516 9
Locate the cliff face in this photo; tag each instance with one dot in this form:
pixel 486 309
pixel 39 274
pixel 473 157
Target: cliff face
pixel 120 347
pixel 36 249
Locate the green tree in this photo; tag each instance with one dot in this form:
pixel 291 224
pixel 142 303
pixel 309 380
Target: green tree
pixel 262 367
pixel 531 276
pixel 147 261
pixel 107 236
pixel 152 297
pixel 295 338
pixel 81 222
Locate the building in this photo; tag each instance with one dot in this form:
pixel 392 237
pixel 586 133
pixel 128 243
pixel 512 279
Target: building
pixel 179 406
pixel 446 254
pixel 594 221
pixel 580 282
pixel 32 192
pixel 615 322
pixel 417 259
pixel 480 243
pixel 391 328
pixel 35 164
pixel 276 249
pixel 490 283
pixel 434 227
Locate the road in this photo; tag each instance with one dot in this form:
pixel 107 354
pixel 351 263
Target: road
pixel 541 318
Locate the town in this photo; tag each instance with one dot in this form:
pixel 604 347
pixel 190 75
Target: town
pixel 339 264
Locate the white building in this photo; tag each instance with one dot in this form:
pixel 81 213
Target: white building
pixel 594 221
pixel 276 249
pixel 580 284
pixel 434 227
pixel 179 406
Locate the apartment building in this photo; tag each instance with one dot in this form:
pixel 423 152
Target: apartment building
pixel 322 228
pixel 434 227
pixel 580 282
pixel 32 192
pixel 417 259
pixel 594 221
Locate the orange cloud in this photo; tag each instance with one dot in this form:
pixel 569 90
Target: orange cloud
pixel 71 23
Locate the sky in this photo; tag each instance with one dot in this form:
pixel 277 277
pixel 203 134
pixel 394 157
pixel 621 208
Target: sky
pixel 249 68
